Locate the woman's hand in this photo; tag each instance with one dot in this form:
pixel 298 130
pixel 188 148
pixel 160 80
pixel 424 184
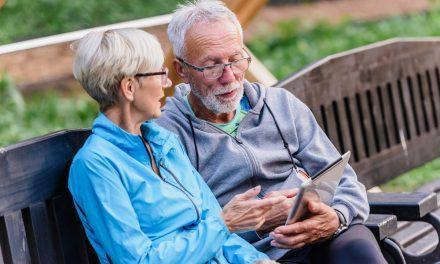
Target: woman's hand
pixel 245 213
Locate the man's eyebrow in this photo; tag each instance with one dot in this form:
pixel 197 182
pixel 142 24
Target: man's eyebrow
pixel 212 58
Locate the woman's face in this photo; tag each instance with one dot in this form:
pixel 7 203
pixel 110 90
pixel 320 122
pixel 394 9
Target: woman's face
pixel 149 94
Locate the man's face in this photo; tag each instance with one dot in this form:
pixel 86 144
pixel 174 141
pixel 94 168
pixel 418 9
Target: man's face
pixel 215 43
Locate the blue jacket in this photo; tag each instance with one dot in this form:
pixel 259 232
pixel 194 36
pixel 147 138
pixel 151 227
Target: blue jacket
pixel 131 215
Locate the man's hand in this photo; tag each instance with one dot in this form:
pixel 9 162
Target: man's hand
pixel 277 215
pixel 320 225
pixel 245 213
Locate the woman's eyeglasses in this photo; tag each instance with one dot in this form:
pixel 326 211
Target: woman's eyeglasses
pixel 163 73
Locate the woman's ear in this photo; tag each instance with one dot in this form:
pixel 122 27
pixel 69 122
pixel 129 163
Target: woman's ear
pixel 127 88
pixel 180 70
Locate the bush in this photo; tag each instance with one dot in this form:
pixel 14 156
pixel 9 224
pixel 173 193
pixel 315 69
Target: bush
pixel 40 113
pixel 294 45
pixel 20 20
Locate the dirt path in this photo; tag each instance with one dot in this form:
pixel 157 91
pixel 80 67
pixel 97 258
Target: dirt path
pixel 333 11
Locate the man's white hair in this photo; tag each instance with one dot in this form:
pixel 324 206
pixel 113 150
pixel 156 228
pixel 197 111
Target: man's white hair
pixel 104 58
pixel 191 13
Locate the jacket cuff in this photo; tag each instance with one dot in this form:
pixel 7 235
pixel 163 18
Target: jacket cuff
pixel 345 211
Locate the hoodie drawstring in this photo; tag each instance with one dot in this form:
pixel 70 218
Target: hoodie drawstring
pixel 286 145
pixel 194 141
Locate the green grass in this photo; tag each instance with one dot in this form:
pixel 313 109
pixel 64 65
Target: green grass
pixel 294 45
pixel 414 178
pixel 20 20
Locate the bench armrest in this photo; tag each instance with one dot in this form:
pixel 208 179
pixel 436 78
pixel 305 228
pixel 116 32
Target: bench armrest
pixel 406 206
pixel 382 226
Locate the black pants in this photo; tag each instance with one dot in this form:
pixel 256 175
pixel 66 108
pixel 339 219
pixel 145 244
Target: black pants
pixel 356 245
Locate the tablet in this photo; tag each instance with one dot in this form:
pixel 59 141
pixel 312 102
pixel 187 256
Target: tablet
pixel 321 187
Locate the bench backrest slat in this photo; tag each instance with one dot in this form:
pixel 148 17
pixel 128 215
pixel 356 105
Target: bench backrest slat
pixel 14 238
pixel 42 234
pixel 37 217
pixel 380 101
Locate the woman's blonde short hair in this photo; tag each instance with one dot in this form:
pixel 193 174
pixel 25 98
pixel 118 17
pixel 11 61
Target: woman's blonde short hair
pixel 104 58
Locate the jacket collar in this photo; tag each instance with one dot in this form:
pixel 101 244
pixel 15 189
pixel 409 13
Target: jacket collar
pixel 153 133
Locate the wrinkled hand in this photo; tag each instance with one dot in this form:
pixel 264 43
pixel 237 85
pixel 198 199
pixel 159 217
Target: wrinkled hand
pixel 245 213
pixel 277 215
pixel 320 225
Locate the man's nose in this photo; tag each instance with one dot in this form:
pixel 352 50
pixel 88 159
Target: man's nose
pixel 228 75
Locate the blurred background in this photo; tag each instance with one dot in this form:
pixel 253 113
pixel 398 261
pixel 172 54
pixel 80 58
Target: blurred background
pixel 285 35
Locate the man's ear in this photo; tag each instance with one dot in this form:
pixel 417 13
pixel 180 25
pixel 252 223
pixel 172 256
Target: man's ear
pixel 181 70
pixel 127 88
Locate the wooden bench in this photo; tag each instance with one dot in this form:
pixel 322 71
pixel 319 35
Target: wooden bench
pixel 38 223
pixel 382 102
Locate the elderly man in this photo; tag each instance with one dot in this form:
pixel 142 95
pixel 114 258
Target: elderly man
pixel 250 142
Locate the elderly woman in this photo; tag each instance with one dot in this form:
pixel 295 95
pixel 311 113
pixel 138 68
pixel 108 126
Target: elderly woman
pixel 135 191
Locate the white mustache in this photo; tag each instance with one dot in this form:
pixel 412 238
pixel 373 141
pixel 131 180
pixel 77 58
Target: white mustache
pixel 228 88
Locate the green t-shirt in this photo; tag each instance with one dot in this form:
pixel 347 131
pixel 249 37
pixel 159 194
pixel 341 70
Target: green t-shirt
pixel 232 126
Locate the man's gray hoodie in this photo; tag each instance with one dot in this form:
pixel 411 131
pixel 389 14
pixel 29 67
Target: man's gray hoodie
pixel 257 155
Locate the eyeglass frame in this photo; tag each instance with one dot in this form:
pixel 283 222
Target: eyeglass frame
pixel 202 69
pixel 165 72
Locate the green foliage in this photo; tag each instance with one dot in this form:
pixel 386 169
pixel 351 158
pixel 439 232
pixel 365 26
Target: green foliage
pixel 294 45
pixel 21 20
pixel 414 178
pixel 41 113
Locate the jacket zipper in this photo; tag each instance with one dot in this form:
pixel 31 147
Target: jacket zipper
pixel 183 189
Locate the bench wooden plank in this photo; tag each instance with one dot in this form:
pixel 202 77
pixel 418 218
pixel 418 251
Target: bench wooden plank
pixel 367 125
pixel 393 120
pixel 425 102
pixel 381 225
pixel 380 134
pixel 42 230
pixel 332 126
pixel 69 231
pixel 406 206
pixel 434 97
pixel 16 237
pixel 357 129
pixel 406 103
pixel 416 104
pixel 347 136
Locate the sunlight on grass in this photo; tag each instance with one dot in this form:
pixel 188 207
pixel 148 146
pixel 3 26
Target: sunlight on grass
pixel 415 178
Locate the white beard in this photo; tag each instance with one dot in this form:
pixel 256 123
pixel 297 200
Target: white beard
pixel 211 102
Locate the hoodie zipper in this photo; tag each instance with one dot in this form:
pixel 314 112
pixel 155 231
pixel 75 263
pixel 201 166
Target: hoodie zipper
pixel 247 152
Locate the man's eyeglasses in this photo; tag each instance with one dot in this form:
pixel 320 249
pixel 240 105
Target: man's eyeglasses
pixel 163 73
pixel 215 71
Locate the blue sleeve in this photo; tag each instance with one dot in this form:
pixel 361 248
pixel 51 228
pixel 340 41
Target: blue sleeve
pixel 235 248
pixel 112 226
